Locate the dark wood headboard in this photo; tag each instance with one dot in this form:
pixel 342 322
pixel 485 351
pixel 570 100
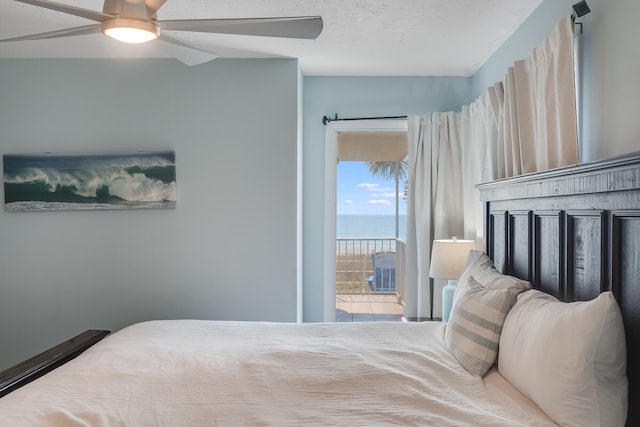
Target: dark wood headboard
pixel 574 232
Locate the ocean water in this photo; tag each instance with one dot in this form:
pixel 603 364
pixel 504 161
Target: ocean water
pixel 71 182
pixel 378 226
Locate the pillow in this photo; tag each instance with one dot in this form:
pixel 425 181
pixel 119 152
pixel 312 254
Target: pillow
pixel 568 358
pixel 475 323
pixel 480 266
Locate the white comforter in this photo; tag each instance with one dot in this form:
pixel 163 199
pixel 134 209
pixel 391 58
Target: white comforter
pixel 205 373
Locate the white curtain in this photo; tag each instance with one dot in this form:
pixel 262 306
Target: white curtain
pixel 525 123
pixel 435 207
pixel 545 97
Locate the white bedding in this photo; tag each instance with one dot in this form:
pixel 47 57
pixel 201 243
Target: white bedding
pixel 206 373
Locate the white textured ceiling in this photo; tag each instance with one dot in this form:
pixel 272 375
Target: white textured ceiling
pixel 360 38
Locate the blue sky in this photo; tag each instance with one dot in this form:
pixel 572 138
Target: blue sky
pixel 359 193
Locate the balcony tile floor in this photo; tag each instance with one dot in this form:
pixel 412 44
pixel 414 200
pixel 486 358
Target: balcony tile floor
pixel 368 308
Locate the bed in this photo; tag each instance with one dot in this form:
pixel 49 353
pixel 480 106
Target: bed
pixel 572 234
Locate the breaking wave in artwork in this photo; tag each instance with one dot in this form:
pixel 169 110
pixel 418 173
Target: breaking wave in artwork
pixel 89 182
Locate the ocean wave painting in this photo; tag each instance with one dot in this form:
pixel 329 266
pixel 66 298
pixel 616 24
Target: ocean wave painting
pixel 49 182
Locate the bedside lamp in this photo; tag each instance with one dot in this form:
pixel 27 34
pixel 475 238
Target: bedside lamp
pixel 448 258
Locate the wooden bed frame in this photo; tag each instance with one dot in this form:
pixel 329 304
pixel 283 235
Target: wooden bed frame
pixel 574 232
pixel 40 364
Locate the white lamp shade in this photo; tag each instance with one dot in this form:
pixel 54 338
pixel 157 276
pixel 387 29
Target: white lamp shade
pixel 448 258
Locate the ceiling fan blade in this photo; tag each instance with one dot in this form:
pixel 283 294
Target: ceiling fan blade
pixel 174 40
pixel 192 55
pixel 154 5
pixel 67 32
pixel 71 10
pixel 133 9
pixel 300 27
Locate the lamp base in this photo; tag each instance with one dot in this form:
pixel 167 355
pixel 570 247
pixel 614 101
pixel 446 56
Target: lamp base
pixel 447 299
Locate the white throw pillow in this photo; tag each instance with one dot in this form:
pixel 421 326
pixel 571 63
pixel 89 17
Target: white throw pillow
pixel 480 266
pixel 568 358
pixel 473 330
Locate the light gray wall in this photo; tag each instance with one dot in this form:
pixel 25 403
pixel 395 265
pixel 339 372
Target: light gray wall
pixel 354 97
pixel 611 70
pixel 234 127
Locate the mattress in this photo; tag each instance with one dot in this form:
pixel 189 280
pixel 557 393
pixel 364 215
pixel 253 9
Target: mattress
pixel 208 373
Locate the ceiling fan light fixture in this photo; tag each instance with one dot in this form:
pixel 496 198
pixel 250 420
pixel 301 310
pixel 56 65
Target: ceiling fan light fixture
pixel 130 30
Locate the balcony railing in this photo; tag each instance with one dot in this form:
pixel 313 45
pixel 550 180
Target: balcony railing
pixel 354 264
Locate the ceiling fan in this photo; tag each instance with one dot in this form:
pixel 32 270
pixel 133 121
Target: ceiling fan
pixel 136 21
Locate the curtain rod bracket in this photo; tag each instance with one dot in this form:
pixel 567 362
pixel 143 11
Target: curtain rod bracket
pixel 326 119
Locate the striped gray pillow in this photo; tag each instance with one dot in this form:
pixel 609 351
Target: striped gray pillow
pixel 475 324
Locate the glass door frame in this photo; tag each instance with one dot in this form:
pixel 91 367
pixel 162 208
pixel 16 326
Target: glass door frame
pixel 331 160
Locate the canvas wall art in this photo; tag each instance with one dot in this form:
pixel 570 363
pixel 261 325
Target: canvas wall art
pixel 49 182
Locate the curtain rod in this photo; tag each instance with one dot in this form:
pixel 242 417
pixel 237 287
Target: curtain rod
pixel 326 119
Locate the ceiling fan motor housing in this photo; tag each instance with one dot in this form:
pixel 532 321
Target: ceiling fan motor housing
pixel 144 10
pixel 146 30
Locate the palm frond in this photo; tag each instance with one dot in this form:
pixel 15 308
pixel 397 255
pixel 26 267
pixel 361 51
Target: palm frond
pixel 388 170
